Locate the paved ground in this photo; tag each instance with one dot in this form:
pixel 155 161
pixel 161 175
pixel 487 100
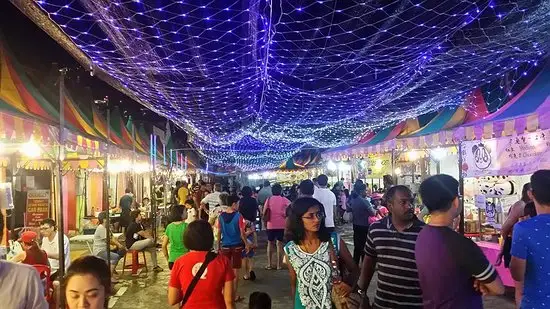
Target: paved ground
pixel 148 290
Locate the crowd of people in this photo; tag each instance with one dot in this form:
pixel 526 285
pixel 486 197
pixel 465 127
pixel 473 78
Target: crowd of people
pixel 211 239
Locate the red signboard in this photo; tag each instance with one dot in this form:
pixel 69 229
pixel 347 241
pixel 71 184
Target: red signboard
pixel 38 207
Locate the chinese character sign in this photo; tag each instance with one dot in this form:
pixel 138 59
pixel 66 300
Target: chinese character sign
pixel 512 155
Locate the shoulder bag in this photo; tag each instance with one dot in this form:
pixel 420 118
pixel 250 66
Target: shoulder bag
pixel 266 211
pixel 342 295
pixel 210 256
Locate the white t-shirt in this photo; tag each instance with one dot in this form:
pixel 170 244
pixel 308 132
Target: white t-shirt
pixel 212 199
pixel 20 287
pixel 52 247
pixel 328 199
pixel 100 240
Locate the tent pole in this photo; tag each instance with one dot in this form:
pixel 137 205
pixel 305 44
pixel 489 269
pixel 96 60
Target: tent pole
pixel 60 157
pixel 461 188
pixel 106 181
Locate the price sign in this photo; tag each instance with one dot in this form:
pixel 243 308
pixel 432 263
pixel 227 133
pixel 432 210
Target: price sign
pixel 38 207
pixel 480 201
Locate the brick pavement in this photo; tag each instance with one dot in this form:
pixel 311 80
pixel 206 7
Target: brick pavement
pixel 148 290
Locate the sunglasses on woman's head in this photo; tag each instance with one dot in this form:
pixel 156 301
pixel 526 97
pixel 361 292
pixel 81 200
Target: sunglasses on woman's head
pixel 319 215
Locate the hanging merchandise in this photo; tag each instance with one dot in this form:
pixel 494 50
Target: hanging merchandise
pixel 6 196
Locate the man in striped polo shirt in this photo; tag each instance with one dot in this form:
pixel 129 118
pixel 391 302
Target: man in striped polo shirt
pixel 390 245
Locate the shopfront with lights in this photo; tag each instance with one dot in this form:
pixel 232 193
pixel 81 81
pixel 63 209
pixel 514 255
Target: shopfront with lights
pixel 494 172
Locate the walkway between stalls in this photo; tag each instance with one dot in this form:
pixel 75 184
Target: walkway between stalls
pixel 148 290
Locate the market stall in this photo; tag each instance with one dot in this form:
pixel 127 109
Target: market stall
pixel 494 171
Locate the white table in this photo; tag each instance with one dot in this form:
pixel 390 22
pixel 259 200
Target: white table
pixel 89 239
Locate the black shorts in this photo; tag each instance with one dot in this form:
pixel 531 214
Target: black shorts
pixel 331 229
pixel 507 248
pixel 277 234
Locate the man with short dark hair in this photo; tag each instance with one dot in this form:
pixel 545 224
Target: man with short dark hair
pixel 449 264
pixel 20 285
pixel 390 244
pixel 531 247
pixel 125 205
pixel 307 188
pixel 50 244
pixel 140 240
pixel 327 198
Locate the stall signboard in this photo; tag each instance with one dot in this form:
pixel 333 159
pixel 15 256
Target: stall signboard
pixel 378 165
pixel 38 207
pixel 512 155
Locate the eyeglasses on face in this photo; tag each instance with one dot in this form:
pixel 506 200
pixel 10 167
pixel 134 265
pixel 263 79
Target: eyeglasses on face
pixel 44 228
pixel 310 216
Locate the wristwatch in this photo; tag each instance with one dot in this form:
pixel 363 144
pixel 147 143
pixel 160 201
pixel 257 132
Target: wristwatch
pixel 360 291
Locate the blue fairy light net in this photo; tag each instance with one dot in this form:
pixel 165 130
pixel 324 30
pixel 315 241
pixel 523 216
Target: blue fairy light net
pixel 255 81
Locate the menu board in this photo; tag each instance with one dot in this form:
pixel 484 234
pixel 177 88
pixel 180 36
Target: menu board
pixel 38 207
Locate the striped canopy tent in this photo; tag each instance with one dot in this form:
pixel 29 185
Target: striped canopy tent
pixel 26 109
pixel 527 111
pixel 386 139
pixel 302 160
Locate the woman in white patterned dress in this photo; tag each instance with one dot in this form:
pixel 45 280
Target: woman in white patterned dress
pixel 307 253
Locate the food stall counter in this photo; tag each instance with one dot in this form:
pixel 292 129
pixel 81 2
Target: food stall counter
pixel 491 251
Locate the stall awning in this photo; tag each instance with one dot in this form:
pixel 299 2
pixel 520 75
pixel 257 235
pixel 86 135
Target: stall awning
pixel 19 129
pixel 528 111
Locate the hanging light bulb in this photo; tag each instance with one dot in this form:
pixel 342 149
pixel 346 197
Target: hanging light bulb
pixel 438 153
pixel 31 149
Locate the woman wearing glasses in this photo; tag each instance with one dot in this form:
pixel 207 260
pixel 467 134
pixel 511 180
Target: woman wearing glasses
pixel 310 265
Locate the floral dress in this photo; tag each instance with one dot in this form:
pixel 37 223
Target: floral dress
pixel 313 275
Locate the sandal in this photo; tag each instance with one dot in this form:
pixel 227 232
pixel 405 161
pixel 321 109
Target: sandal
pixel 246 278
pixel 239 299
pixel 268 267
pixel 252 276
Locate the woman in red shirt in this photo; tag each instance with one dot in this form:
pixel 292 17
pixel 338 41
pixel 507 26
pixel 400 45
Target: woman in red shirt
pixel 215 288
pixel 31 254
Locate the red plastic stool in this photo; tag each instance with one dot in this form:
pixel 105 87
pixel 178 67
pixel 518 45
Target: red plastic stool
pixel 135 262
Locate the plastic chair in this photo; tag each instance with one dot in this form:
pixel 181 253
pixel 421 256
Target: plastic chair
pixel 44 272
pixel 135 262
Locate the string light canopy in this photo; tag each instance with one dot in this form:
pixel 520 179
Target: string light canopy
pixel 254 81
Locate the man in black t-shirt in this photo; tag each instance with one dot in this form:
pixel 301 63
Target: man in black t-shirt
pixel 125 205
pixel 138 239
pixel 449 264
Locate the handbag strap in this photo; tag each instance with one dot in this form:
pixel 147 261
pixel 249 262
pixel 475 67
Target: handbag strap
pixel 334 263
pixel 210 256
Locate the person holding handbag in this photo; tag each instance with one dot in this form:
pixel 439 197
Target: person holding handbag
pixel 313 253
pixel 274 214
pixel 201 278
